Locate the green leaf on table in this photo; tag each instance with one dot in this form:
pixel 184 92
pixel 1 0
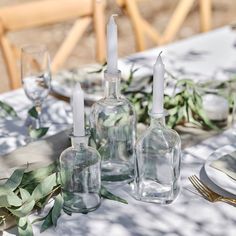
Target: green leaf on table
pixel 38 133
pixel 24 227
pixel 171 121
pixel 22 222
pixel 25 195
pixel 8 109
pixel 207 122
pixel 108 195
pixel 24 210
pixel 180 114
pixel 11 199
pixel 15 179
pixel 56 211
pixel 33 112
pixel 69 213
pixel 38 220
pixel 173 111
pixel 44 187
pixel 47 221
pixel 38 174
pixel 4 191
pixel 191 118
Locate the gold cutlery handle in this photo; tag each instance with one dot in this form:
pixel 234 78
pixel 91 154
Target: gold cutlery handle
pixel 229 200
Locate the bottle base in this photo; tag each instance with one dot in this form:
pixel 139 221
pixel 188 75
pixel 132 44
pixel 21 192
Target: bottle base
pixel 116 172
pixel 162 195
pixel 81 203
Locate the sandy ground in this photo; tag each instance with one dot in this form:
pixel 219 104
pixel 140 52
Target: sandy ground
pixel 156 12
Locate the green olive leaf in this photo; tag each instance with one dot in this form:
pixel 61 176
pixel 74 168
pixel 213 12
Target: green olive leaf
pixel 15 179
pixel 7 109
pixel 24 210
pixel 25 195
pixel 25 227
pixel 47 222
pixel 56 211
pixel 45 187
pixel 38 133
pixel 11 199
pixel 108 195
pixel 38 175
pixel 33 112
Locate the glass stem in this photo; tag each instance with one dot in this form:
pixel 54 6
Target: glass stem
pixel 38 107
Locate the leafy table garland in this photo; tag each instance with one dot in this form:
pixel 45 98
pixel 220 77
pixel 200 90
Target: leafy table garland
pixel 26 191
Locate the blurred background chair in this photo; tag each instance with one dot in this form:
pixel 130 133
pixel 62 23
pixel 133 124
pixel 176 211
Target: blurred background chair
pixel 46 12
pixel 142 28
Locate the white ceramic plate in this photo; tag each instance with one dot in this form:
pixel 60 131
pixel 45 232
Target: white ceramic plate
pixel 218 177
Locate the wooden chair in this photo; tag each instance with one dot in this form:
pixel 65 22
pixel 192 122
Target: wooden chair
pixel 34 14
pixel 142 28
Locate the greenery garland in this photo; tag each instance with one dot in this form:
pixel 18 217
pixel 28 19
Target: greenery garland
pixel 185 106
pixel 26 191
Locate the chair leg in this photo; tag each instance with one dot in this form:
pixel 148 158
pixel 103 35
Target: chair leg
pixel 70 42
pixel 99 26
pixel 177 20
pixel 11 64
pixel 137 22
pixel 151 32
pixel 205 14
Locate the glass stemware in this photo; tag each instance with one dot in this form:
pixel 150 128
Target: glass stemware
pixel 36 75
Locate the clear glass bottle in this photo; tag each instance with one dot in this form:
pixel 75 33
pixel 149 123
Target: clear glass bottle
pixel 113 131
pixel 158 157
pixel 80 176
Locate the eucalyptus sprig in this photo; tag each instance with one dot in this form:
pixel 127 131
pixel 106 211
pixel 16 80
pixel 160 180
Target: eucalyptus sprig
pixel 25 191
pixel 35 133
pixel 7 110
pixel 185 106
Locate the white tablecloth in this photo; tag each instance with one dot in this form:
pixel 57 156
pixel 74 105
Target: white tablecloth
pixel 203 56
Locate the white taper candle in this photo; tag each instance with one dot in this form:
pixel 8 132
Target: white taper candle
pixel 112 46
pixel 158 86
pixel 78 111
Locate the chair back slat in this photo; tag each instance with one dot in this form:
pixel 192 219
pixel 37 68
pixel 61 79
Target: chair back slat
pixel 46 12
pixel 35 14
pixel 142 28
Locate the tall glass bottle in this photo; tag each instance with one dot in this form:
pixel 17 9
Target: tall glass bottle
pixel 113 131
pixel 80 176
pixel 158 155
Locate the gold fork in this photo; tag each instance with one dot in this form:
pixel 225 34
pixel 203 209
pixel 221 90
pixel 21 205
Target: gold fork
pixel 207 193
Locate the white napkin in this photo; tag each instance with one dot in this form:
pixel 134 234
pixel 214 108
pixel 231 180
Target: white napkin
pixel 35 154
pixel 226 164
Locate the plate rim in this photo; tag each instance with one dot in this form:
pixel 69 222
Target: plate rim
pixel 215 156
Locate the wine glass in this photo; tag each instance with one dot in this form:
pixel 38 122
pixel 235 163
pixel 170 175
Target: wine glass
pixel 36 75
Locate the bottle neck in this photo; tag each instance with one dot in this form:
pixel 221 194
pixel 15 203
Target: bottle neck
pixel 157 120
pixel 79 142
pixel 112 85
